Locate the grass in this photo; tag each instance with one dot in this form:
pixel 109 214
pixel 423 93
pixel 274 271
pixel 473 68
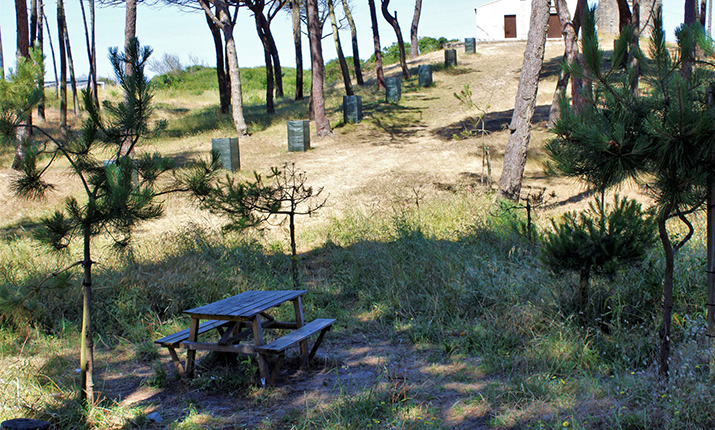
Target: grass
pixel 445 311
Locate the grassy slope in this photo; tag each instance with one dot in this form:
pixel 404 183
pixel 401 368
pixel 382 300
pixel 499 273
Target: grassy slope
pixel 410 255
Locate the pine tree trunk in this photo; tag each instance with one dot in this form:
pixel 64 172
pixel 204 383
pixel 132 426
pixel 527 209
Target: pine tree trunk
pixel 23 50
pixel 322 124
pixel 40 46
pixel 376 45
pixel 86 360
pixel 634 46
pixel 414 42
pixel 295 17
pixel 392 20
pixel 90 55
pixel 668 283
pixel 130 28
pixel 520 127
pixel 277 69
pixel 54 61
pixel 571 55
pixel 63 68
pixel 339 49
pixel 93 38
pixel 224 89
pixel 130 32
pixel 261 29
pixel 223 20
pixel 353 38
pixel 70 64
pixel 235 77
pixel 33 22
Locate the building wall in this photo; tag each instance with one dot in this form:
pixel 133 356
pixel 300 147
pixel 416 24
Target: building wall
pixel 490 18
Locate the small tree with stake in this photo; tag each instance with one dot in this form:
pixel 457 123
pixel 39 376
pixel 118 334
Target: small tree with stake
pixel 251 203
pixel 659 135
pixel 118 193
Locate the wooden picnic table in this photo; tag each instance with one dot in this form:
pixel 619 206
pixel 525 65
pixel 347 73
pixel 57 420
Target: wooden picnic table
pixel 241 316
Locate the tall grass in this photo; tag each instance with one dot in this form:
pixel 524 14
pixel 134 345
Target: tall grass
pixel 447 273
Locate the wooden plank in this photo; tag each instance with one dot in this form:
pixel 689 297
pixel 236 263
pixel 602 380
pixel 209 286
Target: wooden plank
pixel 245 305
pixel 178 337
pixel 209 346
pixel 282 343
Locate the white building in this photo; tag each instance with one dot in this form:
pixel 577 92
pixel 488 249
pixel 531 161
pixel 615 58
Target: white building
pixel 509 20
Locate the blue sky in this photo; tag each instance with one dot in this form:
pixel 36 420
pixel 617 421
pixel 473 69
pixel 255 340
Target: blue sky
pixel 185 34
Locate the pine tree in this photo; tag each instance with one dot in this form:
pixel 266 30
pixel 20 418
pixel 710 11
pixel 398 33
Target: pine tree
pixel 119 193
pixel 659 135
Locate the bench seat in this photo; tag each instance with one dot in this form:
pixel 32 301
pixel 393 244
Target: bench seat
pixel 280 345
pixel 173 341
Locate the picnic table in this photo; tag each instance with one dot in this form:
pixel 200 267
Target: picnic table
pixel 245 316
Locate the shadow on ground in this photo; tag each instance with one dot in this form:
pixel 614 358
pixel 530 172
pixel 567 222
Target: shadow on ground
pixel 493 122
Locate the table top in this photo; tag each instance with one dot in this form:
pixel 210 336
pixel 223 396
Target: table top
pixel 245 305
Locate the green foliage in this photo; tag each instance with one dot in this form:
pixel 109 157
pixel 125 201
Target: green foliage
pixel 194 80
pixel 600 238
pixel 19 93
pixel 391 54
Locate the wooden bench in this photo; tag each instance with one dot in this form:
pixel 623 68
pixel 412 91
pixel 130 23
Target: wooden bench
pixel 279 346
pixel 173 341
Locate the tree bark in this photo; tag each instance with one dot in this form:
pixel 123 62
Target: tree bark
pixel 297 42
pixel 710 18
pixel 63 68
pixel 86 361
pixel 130 32
pixel 93 38
pixel 225 23
pixel 520 127
pixel 130 28
pixel 668 283
pixel 376 45
pixel 277 69
pixel 353 38
pixel 690 17
pixel 23 51
pixel 392 20
pixel 414 43
pixel 70 64
pixel 224 88
pixel 89 41
pixel 339 49
pixel 261 28
pixel 33 22
pixel 54 61
pixel 322 124
pixel 703 12
pixel 634 46
pixel 571 55
pixel 40 46
pixel 624 14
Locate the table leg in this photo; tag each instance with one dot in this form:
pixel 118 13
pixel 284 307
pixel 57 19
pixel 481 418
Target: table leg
pixel 258 340
pixel 191 353
pixel 298 306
